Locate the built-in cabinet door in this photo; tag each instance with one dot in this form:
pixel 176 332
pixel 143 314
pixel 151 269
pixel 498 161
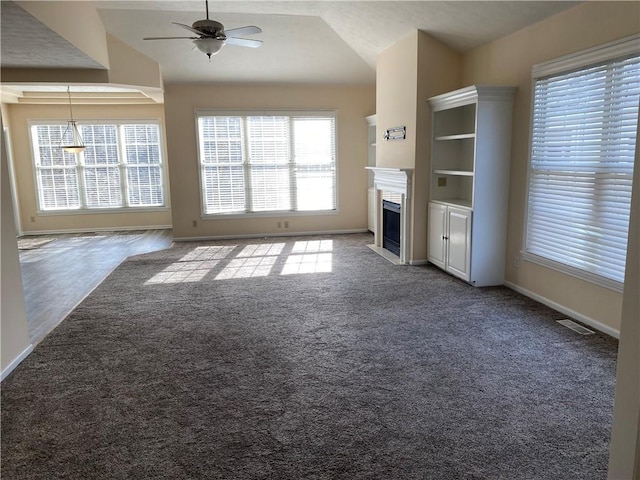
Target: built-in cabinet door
pixel 437 234
pixel 459 242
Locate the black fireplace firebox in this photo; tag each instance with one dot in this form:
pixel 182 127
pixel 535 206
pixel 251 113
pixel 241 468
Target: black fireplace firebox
pixel 391 226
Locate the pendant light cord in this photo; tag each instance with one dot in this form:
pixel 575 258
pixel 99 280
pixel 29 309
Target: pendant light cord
pixel 70 110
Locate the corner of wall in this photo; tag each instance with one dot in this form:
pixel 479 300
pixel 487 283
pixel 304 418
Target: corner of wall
pixel 15 334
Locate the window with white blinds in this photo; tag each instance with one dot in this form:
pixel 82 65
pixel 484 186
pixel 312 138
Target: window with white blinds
pixel 267 163
pixel 582 154
pixel 121 167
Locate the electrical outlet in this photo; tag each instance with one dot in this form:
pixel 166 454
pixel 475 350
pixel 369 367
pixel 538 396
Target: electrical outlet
pixel 286 224
pixel 279 224
pixel 33 219
pixel 517 260
pixel 194 223
pixel 442 181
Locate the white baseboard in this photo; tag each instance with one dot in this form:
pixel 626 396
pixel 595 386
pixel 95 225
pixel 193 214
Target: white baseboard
pixel 418 262
pixel 266 235
pixel 16 361
pixel 567 311
pixel 96 229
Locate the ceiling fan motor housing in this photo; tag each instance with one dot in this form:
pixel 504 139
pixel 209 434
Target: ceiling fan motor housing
pixel 210 28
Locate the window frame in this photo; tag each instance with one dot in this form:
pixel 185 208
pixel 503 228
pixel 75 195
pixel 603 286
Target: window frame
pixel 79 167
pixel 198 113
pixel 627 46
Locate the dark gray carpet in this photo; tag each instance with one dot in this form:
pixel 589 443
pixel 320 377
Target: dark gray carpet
pixel 370 371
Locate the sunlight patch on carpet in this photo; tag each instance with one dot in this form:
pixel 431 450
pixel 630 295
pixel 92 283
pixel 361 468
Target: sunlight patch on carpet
pixel 262 250
pixel 193 266
pixel 208 253
pixel 308 263
pixel 312 246
pixel 254 260
pixel 247 268
pixel 183 272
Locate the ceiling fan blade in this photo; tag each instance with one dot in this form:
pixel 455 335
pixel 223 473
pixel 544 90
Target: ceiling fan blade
pixel 169 38
pixel 237 32
pixel 244 42
pixel 191 29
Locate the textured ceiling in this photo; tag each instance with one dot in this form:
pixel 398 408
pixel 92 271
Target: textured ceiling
pixel 25 42
pixel 304 41
pixel 364 27
pixel 295 49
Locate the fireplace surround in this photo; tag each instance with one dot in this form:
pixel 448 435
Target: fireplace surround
pixel 399 181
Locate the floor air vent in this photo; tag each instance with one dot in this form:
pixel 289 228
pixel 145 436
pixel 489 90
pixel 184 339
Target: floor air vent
pixel 575 327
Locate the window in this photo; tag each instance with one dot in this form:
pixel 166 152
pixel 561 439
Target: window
pixel 582 153
pixel 121 167
pixel 267 163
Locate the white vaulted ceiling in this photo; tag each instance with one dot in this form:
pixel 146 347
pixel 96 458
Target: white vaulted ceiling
pixel 304 41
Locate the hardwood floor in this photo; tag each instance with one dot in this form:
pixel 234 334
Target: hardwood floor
pixel 59 274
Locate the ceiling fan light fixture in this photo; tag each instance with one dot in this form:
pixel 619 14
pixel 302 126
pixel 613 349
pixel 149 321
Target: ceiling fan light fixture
pixel 208 45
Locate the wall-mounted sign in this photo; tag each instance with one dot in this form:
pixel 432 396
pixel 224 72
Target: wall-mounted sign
pixel 396 133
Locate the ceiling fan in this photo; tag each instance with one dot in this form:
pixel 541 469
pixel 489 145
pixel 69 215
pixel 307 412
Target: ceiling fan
pixel 211 35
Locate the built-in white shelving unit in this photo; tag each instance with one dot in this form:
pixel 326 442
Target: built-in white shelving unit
pixel 371 191
pixel 470 156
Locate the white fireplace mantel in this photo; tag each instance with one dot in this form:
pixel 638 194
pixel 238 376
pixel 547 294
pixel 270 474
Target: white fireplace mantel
pixel 396 180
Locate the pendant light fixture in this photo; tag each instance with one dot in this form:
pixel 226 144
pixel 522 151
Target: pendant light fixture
pixel 71 140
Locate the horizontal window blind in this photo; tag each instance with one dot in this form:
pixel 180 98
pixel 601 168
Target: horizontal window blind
pixel 315 173
pixel 221 161
pixel 56 172
pixel 143 165
pixel 120 167
pixel 267 163
pixel 582 155
pixel 101 166
pixel 269 159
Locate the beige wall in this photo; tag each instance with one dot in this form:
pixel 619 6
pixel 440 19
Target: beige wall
pixel 352 104
pixel 14 332
pixel 397 102
pixel 408 73
pixel 508 61
pixel 439 71
pixel 130 67
pixel 31 221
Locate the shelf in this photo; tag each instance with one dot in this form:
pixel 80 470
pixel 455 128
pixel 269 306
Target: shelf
pixel 460 173
pixel 454 202
pixel 460 136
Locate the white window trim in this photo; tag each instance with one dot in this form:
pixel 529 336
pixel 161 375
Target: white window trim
pixel 83 210
pixel 625 46
pixel 275 213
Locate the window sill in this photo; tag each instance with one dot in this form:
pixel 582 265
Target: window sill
pixel 574 272
pixel 100 211
pixel 271 214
